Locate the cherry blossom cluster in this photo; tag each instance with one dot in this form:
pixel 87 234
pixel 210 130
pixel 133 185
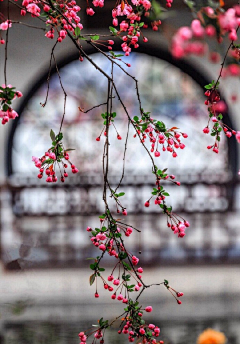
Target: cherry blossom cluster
pixel 176 294
pixel 55 156
pixel 136 328
pixel 132 325
pixel 130 28
pixel 61 16
pixel 216 109
pixel 7 95
pixel 212 22
pixel 109 239
pixel 108 119
pixel 175 222
pixel 159 136
pixel 229 22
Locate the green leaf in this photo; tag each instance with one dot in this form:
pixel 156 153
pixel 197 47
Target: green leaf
pixel 122 255
pixel 156 8
pixel 69 149
pixel 5 107
pixel 92 279
pixel 118 235
pixel 113 30
pixel 119 55
pixel 126 277
pixel 102 216
pixel 95 37
pixel 121 194
pixel 218 138
pixel 101 269
pixel 166 194
pixel 136 119
pixel 59 137
pixel 48 161
pixel 144 126
pixel 77 32
pixel 93 266
pixel 220 116
pixel 126 265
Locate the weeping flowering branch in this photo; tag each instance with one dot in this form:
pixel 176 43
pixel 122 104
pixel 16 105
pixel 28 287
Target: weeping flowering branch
pixel 61 19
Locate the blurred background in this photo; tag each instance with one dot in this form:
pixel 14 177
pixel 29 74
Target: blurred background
pixel 45 295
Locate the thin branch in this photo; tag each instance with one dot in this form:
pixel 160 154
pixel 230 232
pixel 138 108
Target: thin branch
pixel 49 74
pixel 65 94
pixel 6 46
pixel 94 107
pixel 124 158
pixel 28 25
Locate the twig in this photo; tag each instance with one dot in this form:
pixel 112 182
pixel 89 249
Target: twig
pixel 6 46
pixel 49 74
pixel 65 94
pixel 28 25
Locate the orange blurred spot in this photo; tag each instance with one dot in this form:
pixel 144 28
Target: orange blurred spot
pixel 122 5
pixel 221 3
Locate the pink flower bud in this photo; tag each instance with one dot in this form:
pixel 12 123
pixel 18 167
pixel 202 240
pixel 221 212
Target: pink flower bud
pixel 90 11
pixel 206 130
pixel 148 309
